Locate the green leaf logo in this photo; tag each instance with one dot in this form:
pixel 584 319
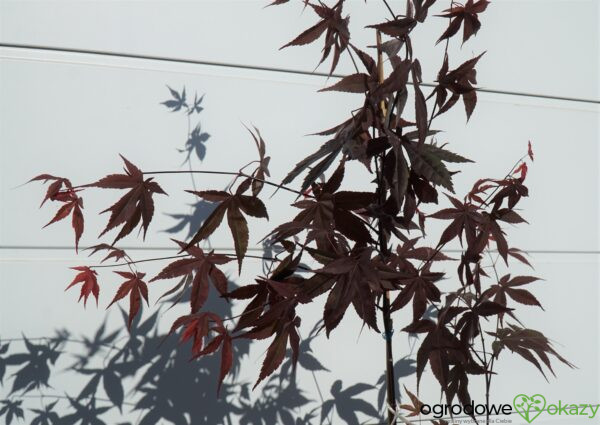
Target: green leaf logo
pixel 529 407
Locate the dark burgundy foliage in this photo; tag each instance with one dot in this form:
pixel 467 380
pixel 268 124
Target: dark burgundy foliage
pixel 137 204
pixel 368 248
pixel 62 190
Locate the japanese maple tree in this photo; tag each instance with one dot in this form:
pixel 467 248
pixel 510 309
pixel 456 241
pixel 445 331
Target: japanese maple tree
pixel 369 247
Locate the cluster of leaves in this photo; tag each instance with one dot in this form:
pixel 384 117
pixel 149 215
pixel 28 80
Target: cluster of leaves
pixel 369 245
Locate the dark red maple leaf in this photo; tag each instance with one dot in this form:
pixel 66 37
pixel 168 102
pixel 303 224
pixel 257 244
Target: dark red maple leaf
pixel 337 35
pixel 117 254
pixel 440 347
pixel 55 188
pixel 468 324
pixel 465 219
pixel 330 209
pixel 508 286
pixel 137 204
pixel 511 190
pixel 87 277
pixel 353 278
pixel 459 82
pixel 271 312
pixel 62 190
pixel 466 15
pixel 421 289
pixel 198 327
pixel 526 342
pixel 272 299
pixel 233 205
pixel 206 271
pixel 136 288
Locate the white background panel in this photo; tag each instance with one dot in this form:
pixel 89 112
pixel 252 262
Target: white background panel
pixel 82 116
pixel 524 39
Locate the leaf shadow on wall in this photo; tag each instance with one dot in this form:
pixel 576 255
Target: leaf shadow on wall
pixel 138 380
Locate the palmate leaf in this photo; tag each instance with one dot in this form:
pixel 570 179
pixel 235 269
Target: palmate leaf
pixel 459 82
pixel 137 204
pixel 353 278
pixel 335 27
pixel 526 343
pixel 62 190
pixel 326 155
pixel 274 357
pixel 89 283
pixel 136 288
pixel 206 270
pixel 428 160
pixel 466 15
pixel 198 328
pixel 328 210
pixel 509 287
pixel 234 205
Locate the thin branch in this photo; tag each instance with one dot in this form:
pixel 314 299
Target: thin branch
pixel 127 263
pixel 390 9
pixel 146 260
pixel 228 173
pixel 353 61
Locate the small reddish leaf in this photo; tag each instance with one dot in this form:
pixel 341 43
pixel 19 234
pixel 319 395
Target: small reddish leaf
pixel 522 169
pixel 87 277
pixel 136 288
pixel 529 150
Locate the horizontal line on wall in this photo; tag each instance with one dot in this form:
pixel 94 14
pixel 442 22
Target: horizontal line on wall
pixel 126 248
pixel 257 68
pixel 216 248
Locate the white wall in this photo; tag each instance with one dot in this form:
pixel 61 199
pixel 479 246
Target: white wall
pixel 70 114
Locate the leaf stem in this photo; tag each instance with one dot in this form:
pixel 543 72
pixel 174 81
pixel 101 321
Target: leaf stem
pixel 227 173
pixel 387 5
pixel 146 260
